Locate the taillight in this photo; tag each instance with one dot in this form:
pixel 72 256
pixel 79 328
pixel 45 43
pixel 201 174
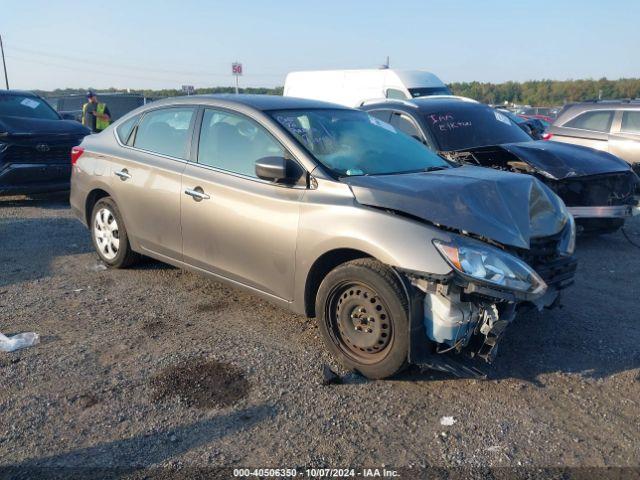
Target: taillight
pixel 76 153
pixel 547 136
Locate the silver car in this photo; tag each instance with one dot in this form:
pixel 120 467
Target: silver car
pixel 611 126
pixel 402 256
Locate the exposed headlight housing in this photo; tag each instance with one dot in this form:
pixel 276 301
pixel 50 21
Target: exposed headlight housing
pixel 491 266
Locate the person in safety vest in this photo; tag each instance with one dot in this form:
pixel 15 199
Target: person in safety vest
pixel 95 115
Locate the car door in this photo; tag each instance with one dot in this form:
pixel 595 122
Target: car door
pixel 624 140
pixel 234 224
pixel 147 176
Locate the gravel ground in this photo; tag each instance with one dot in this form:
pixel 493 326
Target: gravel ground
pixel 154 366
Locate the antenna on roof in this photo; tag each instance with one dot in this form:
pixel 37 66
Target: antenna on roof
pixel 385 65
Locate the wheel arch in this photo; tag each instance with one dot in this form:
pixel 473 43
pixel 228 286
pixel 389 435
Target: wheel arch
pixel 92 198
pixel 321 267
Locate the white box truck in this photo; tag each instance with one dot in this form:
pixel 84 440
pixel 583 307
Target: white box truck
pixel 354 87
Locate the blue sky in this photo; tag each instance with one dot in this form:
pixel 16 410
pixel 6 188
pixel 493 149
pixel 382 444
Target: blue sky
pixel 165 44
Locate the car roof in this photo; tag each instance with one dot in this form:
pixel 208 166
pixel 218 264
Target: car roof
pixel 603 105
pixel 429 103
pixel 258 102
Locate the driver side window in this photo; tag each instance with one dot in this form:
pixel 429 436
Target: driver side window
pixel 234 143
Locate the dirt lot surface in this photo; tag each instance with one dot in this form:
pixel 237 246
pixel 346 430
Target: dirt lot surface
pixel 154 366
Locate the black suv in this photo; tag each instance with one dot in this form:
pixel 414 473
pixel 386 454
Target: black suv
pixel 35 145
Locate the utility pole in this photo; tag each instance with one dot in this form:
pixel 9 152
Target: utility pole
pixel 4 64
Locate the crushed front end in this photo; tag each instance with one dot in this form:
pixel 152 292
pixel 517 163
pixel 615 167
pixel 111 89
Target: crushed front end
pixel 600 194
pixel 468 311
pixel 591 199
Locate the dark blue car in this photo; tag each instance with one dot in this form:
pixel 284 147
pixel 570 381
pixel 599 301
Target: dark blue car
pixel 35 145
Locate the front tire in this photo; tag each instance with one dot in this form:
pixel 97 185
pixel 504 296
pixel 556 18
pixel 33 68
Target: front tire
pixel 364 318
pixel 109 235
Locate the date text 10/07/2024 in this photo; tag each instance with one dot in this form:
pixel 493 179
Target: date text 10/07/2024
pixel 316 473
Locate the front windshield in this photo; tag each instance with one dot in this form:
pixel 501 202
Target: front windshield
pixel 472 125
pixel 12 105
pixel 350 142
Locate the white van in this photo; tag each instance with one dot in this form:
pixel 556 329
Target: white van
pixel 354 87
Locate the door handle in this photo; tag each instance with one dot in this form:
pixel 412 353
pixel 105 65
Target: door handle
pixel 197 194
pixel 123 174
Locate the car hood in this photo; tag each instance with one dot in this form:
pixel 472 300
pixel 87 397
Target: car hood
pixel 561 160
pixel 20 126
pixel 508 208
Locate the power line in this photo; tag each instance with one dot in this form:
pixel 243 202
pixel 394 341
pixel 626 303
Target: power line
pixel 86 61
pixel 80 70
pixel 84 69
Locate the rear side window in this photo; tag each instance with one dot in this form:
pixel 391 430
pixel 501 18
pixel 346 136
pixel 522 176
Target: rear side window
pixel 396 94
pixel 124 129
pixel 165 131
pixel 630 122
pixel 234 143
pixel 597 121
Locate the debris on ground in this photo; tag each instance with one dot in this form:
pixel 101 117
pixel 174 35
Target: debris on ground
pixel 16 342
pixel 329 377
pixel 447 421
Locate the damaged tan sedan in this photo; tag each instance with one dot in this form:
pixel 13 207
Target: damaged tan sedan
pixel 402 256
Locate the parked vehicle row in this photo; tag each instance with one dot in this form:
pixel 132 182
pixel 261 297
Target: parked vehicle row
pixel 400 254
pixel 534 127
pixel 383 222
pixel 598 188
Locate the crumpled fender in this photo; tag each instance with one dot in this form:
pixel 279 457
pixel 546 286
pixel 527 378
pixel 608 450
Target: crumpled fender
pixel 562 160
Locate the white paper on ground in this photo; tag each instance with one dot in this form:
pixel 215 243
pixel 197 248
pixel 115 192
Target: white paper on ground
pixel 447 421
pixel 16 342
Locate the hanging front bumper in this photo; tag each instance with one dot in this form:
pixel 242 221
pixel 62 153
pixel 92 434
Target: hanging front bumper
pixel 612 211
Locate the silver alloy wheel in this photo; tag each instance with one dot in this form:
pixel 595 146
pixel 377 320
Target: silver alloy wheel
pixel 105 231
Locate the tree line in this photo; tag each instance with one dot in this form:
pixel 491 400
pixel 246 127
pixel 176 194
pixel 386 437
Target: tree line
pixel 155 94
pixel 534 92
pixel 548 92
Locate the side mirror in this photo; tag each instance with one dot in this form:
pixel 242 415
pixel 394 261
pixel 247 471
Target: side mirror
pixel 278 169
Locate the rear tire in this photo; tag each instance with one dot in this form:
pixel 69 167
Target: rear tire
pixel 109 235
pixel 364 318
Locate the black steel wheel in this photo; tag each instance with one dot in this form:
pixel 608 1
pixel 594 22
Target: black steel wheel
pixel 364 317
pixel 361 324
